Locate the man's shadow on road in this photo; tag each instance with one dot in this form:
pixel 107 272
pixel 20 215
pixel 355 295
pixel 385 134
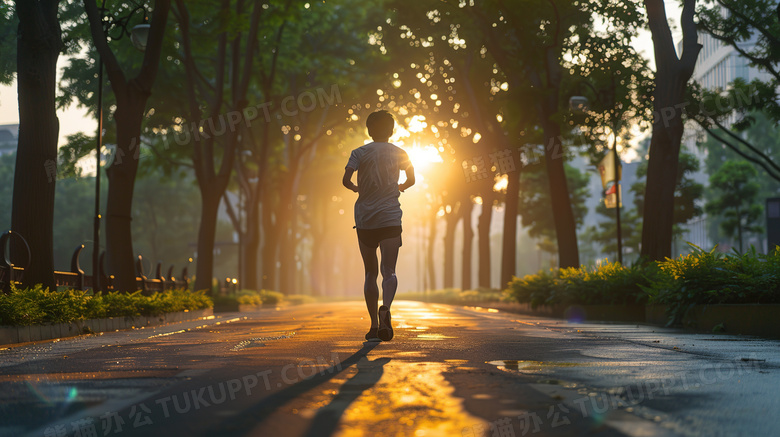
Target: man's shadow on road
pixel 326 419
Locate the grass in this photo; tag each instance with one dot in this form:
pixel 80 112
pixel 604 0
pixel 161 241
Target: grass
pixel 40 306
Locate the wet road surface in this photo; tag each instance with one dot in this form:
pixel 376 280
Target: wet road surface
pixel 449 371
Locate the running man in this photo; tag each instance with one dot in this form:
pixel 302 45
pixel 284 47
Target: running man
pixel 378 215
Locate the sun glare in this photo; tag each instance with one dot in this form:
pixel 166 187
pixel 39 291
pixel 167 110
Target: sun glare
pixel 423 156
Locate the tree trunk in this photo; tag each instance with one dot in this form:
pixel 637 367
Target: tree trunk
pixel 121 181
pixel 670 83
pixel 206 232
pixel 131 96
pixel 661 177
pixel 431 271
pixel 509 244
pixel 565 225
pixel 449 249
pixel 38 46
pixel 468 237
pixel 287 257
pixel 285 228
pixel 270 242
pixel 252 242
pixel 484 237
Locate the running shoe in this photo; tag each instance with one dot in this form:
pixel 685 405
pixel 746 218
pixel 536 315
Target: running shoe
pixel 385 327
pixel 372 336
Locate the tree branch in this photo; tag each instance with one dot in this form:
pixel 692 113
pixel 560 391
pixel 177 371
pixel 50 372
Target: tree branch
pixel 232 214
pixel 189 69
pixel 746 144
pixel 739 152
pixel 151 62
pixel 736 11
pixel 691 46
pixel 250 48
pixel 114 71
pixel 663 44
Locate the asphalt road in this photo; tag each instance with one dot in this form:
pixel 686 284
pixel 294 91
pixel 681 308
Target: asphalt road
pixel 450 371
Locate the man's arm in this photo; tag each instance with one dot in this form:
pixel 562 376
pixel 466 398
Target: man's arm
pixel 347 179
pixel 409 179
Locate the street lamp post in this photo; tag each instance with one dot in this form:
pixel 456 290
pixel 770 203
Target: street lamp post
pixel 580 104
pixel 138 36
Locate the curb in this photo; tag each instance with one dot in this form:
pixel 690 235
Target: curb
pixel 25 334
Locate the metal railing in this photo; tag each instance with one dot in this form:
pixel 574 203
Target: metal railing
pixel 76 279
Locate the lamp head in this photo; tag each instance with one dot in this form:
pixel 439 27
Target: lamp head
pixel 579 104
pixel 140 35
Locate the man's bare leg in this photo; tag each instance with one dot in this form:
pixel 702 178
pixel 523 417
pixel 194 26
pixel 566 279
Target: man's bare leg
pixel 370 290
pixel 389 249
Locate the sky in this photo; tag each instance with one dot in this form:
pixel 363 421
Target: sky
pixel 73 119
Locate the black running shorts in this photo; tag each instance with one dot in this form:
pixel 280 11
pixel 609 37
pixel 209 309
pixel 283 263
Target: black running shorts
pixel 372 237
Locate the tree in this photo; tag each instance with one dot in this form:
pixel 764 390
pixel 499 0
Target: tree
pixel 546 44
pixel 454 82
pixel 764 136
pixel 131 97
pixel 535 200
pixel 736 201
pixel 9 22
pixel 753 22
pixel 39 43
pixel 671 80
pixel 233 63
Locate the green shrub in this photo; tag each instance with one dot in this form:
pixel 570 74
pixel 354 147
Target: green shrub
pixel 711 277
pixel 271 297
pixel 534 289
pixel 605 284
pixel 249 299
pixel 37 305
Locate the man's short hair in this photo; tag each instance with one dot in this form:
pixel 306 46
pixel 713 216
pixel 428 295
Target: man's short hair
pixel 380 124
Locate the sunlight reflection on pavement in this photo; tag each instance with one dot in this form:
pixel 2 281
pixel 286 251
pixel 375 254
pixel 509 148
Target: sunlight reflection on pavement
pixel 393 394
pixel 411 399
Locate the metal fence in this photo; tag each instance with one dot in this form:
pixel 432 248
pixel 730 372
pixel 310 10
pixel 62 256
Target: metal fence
pixel 76 279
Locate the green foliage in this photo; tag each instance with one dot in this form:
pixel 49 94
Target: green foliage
pixel 699 278
pixel 764 135
pixel 8 25
pixel 710 277
pixel 750 27
pixel 608 283
pixel 736 191
pixel 38 305
pixel 535 202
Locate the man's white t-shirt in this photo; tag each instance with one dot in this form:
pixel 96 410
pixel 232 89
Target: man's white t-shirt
pixel 378 167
